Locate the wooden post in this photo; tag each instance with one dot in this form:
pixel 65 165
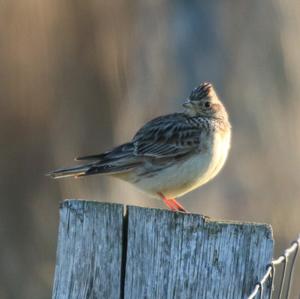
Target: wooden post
pixel 89 253
pixel 155 253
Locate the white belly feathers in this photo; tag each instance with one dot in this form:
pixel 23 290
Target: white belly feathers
pixel 181 178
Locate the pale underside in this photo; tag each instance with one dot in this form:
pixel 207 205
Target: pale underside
pixel 177 179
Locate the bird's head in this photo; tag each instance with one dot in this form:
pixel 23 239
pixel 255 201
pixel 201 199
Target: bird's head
pixel 203 101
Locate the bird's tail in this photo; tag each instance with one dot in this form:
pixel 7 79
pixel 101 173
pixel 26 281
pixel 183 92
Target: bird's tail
pixel 93 168
pixel 119 160
pixel 76 171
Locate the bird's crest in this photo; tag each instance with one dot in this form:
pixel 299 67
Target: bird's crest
pixel 204 90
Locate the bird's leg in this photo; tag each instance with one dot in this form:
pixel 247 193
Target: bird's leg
pixel 167 202
pixel 172 204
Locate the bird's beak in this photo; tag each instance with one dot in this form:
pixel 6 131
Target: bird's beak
pixel 187 103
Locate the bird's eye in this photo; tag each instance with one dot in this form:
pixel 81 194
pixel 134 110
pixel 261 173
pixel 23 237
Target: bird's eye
pixel 207 104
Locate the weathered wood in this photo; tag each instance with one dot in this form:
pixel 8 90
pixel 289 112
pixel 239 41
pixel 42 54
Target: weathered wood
pixel 174 255
pixel 156 254
pixel 89 254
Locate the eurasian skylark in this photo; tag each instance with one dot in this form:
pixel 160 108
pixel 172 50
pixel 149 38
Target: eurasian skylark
pixel 170 155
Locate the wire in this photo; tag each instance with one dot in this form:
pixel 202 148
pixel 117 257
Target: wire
pixel 270 273
pixel 282 278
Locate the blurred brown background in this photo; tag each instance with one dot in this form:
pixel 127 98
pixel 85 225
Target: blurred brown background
pixel 78 77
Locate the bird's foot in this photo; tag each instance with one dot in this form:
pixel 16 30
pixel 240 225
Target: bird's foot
pixel 172 204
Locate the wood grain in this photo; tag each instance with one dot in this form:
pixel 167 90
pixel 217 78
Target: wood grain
pixel 89 251
pixel 156 254
pixel 174 255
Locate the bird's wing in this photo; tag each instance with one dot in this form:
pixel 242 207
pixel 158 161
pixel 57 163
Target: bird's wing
pixel 120 151
pixel 120 158
pixel 167 136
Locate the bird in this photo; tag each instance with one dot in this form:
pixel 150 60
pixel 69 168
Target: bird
pixel 170 155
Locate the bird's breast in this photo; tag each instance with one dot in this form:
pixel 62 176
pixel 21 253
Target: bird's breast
pixel 179 178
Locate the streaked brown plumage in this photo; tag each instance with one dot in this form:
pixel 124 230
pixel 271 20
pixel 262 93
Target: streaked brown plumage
pixel 171 154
